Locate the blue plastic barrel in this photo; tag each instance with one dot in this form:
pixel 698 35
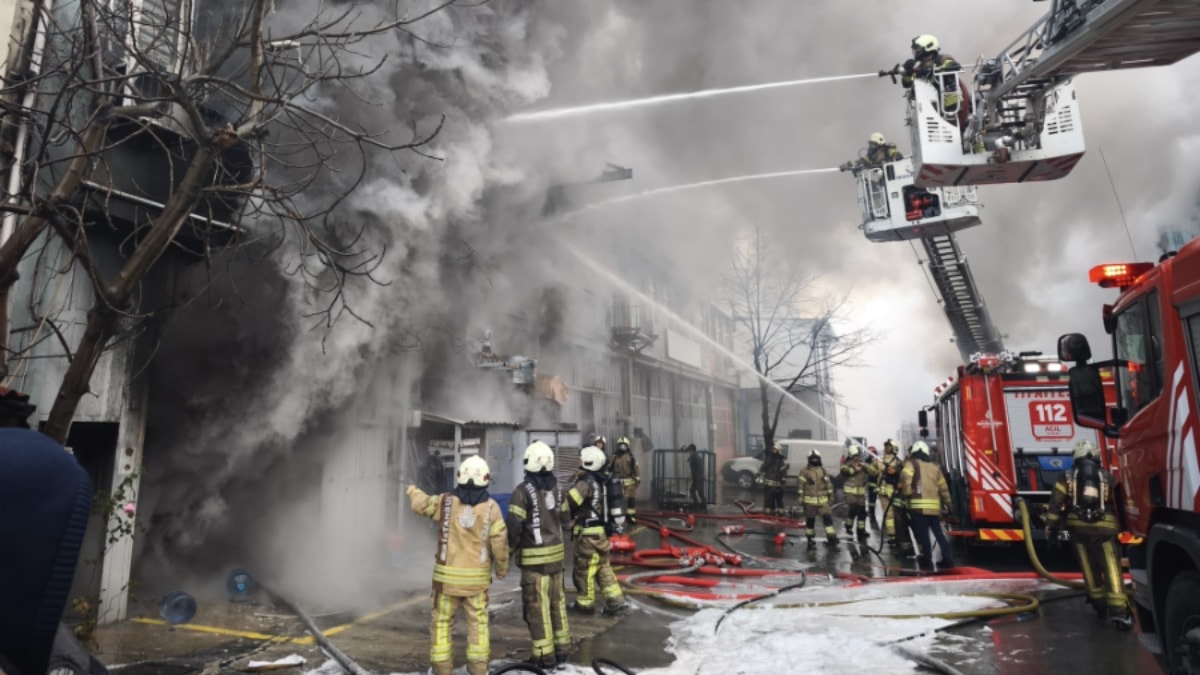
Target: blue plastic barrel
pixel 177 607
pixel 240 585
pixel 502 500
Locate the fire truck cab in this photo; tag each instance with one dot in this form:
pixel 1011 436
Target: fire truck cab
pixel 894 209
pixel 1155 329
pixel 1006 429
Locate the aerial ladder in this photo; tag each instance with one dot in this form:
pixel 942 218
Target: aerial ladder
pixel 1019 119
pixel 895 209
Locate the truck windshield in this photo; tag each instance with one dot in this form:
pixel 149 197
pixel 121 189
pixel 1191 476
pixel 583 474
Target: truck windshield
pixel 1135 347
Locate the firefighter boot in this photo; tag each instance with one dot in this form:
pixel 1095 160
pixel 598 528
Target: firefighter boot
pixel 849 528
pixel 560 660
pixel 812 543
pixel 545 662
pixel 862 534
pixel 1118 617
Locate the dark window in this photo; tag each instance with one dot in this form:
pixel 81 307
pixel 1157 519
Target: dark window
pixel 1138 345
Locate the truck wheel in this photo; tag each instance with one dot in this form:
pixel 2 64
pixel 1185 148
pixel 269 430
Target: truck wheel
pixel 745 480
pixel 1181 624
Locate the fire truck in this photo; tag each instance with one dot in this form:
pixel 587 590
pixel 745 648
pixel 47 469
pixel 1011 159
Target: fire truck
pixel 1155 328
pixel 1006 430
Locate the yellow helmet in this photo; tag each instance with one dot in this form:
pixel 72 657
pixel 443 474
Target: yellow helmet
pixel 473 471
pixel 923 44
pixel 538 457
pixel 592 458
pixel 622 442
pixel 1084 448
pixel 877 139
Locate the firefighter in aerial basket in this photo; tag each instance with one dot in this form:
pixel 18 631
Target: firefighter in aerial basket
pixel 1084 496
pixel 856 473
pixel 538 520
pixel 879 152
pixel 472 539
pixel 816 490
pixel 598 509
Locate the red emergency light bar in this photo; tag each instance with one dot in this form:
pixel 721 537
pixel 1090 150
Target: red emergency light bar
pixel 1118 275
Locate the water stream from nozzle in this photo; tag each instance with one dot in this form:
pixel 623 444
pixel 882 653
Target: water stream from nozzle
pixel 700 184
pixel 613 106
pixel 686 325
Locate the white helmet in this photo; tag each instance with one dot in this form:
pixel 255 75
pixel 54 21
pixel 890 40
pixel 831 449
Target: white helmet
pixel 1085 448
pixel 920 450
pixel 473 471
pixel 592 458
pixel 539 457
pixel 853 451
pixel 925 43
pixel 877 138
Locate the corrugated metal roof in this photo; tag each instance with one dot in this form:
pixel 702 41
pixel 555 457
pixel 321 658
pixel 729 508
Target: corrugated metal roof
pixel 434 417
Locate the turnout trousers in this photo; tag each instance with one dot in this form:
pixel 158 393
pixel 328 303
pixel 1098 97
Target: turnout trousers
pixel 811 512
pixel 545 604
pixel 445 607
pixel 1095 546
pixel 593 572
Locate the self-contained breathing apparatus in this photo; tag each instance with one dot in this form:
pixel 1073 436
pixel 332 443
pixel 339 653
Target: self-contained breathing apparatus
pixel 607 504
pixel 1089 493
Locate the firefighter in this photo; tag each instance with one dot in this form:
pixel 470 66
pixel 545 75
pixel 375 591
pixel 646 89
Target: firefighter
pixel 1084 496
pixel 624 466
pixel 926 494
pixel 601 442
pixel 887 479
pixel 927 62
pixel 696 470
pixel 472 539
pixel 856 472
pixel 771 476
pixel 816 489
pixel 538 516
pixel 872 485
pixel 595 519
pixel 879 151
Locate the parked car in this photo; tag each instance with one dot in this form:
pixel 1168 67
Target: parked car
pixel 743 470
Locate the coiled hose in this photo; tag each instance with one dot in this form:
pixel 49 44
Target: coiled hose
pixel 1033 558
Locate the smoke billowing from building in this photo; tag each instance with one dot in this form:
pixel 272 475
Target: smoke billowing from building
pixel 262 402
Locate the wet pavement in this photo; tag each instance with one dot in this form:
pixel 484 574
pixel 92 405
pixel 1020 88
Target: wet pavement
pixel 1063 636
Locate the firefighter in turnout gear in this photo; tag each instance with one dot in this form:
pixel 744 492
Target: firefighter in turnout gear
pixel 1082 498
pixel 887 480
pixel 472 539
pixel 879 151
pixel 816 491
pixel 856 472
pixel 624 466
pixel 773 472
pixel 538 518
pixel 595 519
pixel 927 63
pixel 926 494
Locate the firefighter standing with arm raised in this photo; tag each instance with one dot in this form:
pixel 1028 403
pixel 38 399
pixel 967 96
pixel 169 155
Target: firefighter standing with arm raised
pixel 924 488
pixel 816 490
pixel 625 468
pixel 1084 496
pixel 597 513
pixel 857 473
pixel 538 517
pixel 471 539
pixel 773 472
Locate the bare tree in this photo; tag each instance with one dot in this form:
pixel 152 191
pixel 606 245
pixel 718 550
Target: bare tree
pixel 788 326
pixel 233 104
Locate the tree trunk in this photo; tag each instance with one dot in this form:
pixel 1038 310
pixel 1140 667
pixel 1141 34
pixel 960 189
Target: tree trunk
pixel 102 318
pixel 768 429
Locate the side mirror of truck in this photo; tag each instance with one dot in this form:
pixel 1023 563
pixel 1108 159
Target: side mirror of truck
pixel 1087 400
pixel 922 419
pixel 1074 348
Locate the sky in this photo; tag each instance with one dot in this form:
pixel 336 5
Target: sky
pixel 1031 255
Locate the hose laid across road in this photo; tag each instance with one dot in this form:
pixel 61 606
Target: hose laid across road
pixel 1033 558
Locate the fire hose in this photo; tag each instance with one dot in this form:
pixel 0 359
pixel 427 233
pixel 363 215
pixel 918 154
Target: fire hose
pixel 336 654
pixel 1033 558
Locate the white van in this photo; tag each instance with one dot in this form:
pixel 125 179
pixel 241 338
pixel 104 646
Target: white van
pixel 742 470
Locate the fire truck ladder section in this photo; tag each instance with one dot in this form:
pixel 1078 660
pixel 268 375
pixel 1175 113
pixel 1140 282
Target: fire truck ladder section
pixel 973 329
pixel 1080 36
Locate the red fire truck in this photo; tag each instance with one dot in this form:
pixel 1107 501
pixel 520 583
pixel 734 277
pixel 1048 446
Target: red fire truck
pixel 1155 328
pixel 1005 430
